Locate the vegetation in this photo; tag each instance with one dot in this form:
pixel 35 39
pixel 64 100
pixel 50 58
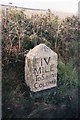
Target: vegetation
pixel 20 33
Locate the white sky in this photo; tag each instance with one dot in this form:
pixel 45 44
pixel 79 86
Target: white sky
pixel 56 5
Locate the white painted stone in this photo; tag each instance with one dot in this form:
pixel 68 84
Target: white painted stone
pixel 41 68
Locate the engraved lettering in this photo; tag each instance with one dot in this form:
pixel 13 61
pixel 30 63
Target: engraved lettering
pixel 35 85
pixel 47 61
pixel 37 71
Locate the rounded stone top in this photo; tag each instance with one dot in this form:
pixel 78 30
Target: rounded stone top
pixel 39 51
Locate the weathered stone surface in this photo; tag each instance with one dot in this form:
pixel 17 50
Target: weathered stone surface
pixel 41 68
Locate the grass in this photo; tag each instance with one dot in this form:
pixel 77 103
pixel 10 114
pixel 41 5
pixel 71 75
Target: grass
pixel 17 102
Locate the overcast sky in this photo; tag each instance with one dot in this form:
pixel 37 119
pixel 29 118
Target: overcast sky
pixel 57 5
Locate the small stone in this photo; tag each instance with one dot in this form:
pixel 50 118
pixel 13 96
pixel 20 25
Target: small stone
pixel 41 68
